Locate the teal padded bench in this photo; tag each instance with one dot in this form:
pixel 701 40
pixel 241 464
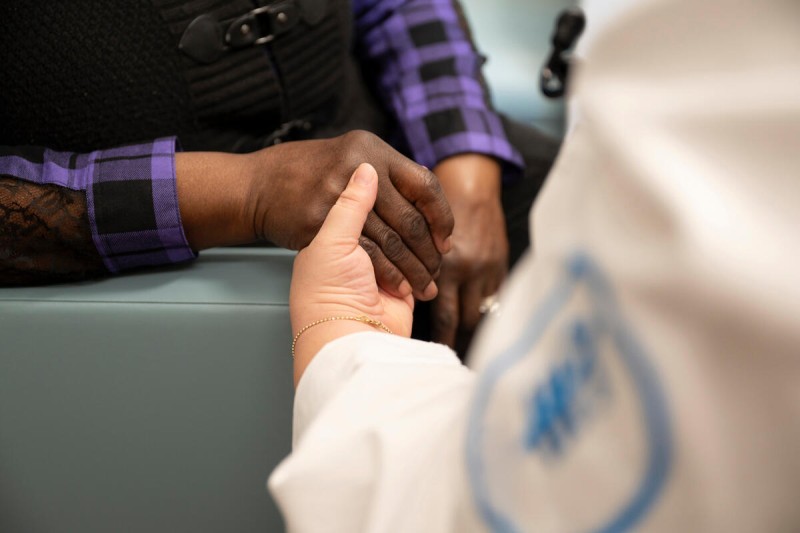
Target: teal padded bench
pixel 152 402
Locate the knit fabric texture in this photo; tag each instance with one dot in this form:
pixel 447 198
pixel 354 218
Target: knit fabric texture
pixel 82 75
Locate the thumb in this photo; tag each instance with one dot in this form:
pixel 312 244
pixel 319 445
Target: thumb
pixel 346 218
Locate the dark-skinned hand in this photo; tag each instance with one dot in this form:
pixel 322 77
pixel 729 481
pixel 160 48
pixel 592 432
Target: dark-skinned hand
pixel 478 262
pixel 283 194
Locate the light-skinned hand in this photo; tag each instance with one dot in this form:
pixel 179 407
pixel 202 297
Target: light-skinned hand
pixel 334 276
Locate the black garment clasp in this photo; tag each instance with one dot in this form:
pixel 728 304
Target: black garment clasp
pixel 262 25
pixel 206 39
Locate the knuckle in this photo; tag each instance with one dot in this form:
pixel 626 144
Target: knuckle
pixel 385 272
pixel 415 226
pixel 427 183
pixel 393 245
pixel 429 180
pixel 358 137
pixel 368 246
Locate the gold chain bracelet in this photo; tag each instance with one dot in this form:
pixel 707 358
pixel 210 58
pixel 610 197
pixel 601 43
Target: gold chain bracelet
pixel 361 318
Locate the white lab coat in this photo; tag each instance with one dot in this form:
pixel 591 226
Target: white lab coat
pixel 644 369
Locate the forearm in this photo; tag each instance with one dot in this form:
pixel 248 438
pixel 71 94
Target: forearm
pixel 367 400
pixel 45 235
pixel 72 216
pixel 431 79
pixel 80 207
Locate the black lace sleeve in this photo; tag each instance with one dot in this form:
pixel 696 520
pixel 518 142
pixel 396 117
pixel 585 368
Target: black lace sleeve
pixel 44 235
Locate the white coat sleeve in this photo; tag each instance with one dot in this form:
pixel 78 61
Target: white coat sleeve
pixel 377 422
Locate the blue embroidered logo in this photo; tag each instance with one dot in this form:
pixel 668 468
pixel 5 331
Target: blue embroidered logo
pixel 572 393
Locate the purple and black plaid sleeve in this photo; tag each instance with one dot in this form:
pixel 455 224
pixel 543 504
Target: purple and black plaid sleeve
pixel 429 73
pixel 131 198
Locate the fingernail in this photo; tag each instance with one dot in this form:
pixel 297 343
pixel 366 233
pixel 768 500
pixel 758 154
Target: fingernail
pixel 404 288
pixel 430 291
pixel 447 244
pixel 364 175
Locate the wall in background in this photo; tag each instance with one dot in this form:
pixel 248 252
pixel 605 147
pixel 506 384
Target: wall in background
pixel 515 35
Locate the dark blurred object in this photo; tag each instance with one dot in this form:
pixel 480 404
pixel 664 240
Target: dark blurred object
pixel 553 77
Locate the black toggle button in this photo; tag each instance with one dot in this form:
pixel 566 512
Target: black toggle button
pixel 206 38
pixel 263 24
pixel 203 40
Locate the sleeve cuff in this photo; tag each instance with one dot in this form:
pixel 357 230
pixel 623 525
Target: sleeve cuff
pixel 339 361
pixel 132 202
pixel 441 134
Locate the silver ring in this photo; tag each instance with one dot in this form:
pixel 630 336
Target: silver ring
pixel 489 305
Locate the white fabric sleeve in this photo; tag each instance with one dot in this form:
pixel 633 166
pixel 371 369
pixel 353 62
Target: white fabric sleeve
pixel 377 420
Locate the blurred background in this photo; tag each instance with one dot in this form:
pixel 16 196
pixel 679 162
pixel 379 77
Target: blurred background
pixel 515 37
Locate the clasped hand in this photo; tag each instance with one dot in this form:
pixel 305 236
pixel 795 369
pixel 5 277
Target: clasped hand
pixel 404 235
pixel 334 276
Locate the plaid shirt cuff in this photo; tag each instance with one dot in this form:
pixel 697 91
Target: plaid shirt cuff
pixel 429 73
pixel 453 131
pixel 132 202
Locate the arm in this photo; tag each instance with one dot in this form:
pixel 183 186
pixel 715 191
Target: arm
pixel 72 216
pixel 478 263
pixel 365 401
pixel 283 194
pixel 378 424
pixel 429 75
pixel 33 214
pixel 144 205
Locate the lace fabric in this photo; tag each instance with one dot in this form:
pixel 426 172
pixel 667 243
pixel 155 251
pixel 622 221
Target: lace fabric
pixel 44 235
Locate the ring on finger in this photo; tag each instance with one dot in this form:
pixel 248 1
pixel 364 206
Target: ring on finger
pixel 489 305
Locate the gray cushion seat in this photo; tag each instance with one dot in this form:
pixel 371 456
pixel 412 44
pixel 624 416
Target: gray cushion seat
pixel 157 401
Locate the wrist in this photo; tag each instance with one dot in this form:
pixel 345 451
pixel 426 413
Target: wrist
pixel 305 308
pixel 312 340
pixel 470 178
pixel 213 198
